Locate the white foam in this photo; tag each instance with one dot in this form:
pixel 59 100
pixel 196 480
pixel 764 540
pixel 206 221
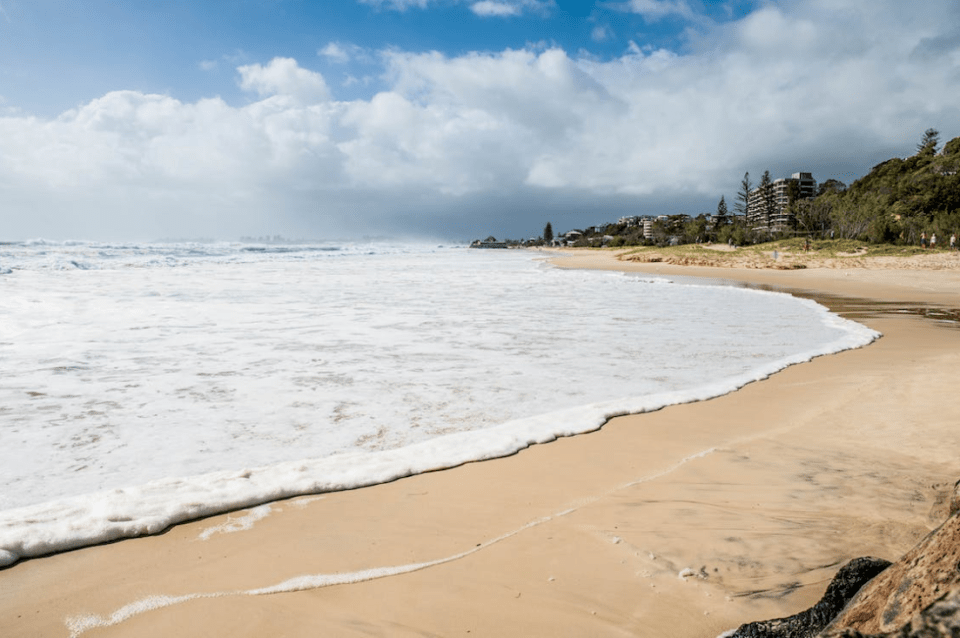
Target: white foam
pixel 82 623
pixel 237 524
pixel 166 383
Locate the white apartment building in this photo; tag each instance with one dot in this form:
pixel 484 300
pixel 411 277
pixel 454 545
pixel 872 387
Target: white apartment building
pixel 778 218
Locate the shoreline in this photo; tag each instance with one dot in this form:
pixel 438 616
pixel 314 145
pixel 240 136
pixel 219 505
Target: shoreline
pixel 682 522
pixel 101 505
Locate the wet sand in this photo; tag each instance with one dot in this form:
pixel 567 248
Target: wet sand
pixel 683 522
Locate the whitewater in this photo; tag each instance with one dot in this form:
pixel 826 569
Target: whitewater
pixel 144 385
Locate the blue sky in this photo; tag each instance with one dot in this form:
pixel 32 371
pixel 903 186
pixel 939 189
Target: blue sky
pixel 445 118
pixel 190 50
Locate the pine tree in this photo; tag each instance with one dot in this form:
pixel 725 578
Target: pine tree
pixel 928 144
pixel 720 218
pixel 742 206
pixel 548 233
pixel 767 198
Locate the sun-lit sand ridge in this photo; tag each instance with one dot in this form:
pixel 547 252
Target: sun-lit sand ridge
pixel 683 522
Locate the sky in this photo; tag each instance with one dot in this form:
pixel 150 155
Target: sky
pixel 446 119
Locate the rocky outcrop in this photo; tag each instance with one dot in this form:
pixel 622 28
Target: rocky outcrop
pixel 807 624
pixel 928 574
pixel 939 620
pixel 922 577
pixel 916 597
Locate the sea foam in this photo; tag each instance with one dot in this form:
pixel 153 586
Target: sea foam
pixel 156 384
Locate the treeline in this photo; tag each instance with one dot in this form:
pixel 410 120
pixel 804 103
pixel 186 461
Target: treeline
pixel 897 201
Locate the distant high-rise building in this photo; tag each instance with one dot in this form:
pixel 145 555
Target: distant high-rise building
pixel 778 217
pixel 647 228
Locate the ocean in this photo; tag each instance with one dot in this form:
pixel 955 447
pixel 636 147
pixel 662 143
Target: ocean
pixel 145 384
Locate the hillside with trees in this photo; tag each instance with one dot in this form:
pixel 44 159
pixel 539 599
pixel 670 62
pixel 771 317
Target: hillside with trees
pixel 897 201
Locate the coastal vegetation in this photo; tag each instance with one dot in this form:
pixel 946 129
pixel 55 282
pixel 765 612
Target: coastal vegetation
pixel 898 202
pixel 783 254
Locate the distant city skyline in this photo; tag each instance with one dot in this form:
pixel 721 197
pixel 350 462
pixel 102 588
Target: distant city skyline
pixel 446 119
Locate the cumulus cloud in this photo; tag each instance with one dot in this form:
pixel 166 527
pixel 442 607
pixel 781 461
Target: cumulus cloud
pixel 654 10
pixel 335 52
pixel 802 87
pixel 508 8
pixel 345 52
pixel 130 163
pixel 283 76
pixel 490 8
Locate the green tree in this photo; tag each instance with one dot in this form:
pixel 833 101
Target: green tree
pixel 793 199
pixel 813 215
pixel 831 186
pixel 768 204
pixel 695 230
pixel 661 232
pixel 737 232
pixel 742 205
pixel 929 142
pixel 720 219
pixel 952 147
pixel 853 217
pixel 548 233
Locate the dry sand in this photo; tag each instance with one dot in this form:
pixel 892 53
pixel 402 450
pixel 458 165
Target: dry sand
pixel 683 522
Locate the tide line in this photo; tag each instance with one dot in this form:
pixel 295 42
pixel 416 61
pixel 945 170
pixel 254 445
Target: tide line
pixel 82 623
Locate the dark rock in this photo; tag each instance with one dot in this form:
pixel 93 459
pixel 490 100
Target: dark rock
pixel 809 623
pixel 939 620
pixel 911 585
pixel 916 597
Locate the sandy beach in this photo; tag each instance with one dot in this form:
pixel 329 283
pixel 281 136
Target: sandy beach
pixel 684 522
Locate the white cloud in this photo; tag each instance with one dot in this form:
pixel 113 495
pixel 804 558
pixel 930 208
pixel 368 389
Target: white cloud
pixel 654 10
pixel 600 33
pixel 509 8
pixel 482 8
pixel 398 5
pixel 335 53
pixel 231 60
pixel 283 76
pixel 345 52
pixel 805 87
pixel 488 8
